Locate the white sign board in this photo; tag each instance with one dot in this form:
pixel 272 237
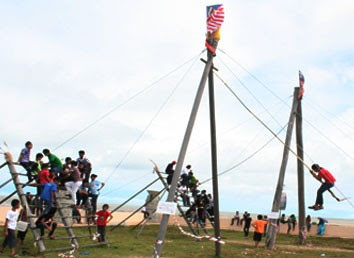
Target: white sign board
pixel 273 215
pixel 166 208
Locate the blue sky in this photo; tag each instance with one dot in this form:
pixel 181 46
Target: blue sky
pixel 65 64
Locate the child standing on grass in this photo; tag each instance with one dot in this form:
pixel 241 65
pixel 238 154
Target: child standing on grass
pixel 101 222
pixel 259 226
pixel 10 227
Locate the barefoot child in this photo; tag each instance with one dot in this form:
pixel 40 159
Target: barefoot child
pixel 10 227
pixel 102 221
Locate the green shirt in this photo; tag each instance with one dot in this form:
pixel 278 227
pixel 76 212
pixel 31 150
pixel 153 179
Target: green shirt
pixel 39 168
pixel 55 161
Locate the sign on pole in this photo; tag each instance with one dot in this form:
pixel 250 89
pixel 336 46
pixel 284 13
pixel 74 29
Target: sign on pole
pixel 169 208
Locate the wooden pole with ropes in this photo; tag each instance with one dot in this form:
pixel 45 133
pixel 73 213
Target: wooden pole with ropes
pixel 182 154
pixel 272 232
pixel 214 162
pixel 300 175
pixel 24 203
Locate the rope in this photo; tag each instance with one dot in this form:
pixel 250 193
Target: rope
pixel 319 108
pixel 247 158
pixel 136 179
pixel 150 86
pixel 153 118
pixel 271 131
pixel 231 129
pixel 250 92
pixel 275 95
pixel 329 120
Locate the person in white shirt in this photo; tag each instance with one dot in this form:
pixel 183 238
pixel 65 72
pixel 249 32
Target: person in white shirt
pixel 184 174
pixel 10 228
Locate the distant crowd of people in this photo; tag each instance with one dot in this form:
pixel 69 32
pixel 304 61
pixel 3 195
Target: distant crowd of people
pixel 246 222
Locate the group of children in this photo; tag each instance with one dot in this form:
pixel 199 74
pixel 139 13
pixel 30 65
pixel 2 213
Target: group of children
pixel 200 203
pixel 74 176
pixel 43 222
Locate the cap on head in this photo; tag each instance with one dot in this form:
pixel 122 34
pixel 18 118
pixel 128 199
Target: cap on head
pixel 174 162
pixel 93 175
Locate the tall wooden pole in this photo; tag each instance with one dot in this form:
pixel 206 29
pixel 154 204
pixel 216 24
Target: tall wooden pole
pixel 24 203
pixel 214 162
pixel 272 232
pixel 300 175
pixel 182 154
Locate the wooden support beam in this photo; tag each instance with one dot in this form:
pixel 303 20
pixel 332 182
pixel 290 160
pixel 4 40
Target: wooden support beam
pixel 300 175
pixel 23 201
pixel 272 231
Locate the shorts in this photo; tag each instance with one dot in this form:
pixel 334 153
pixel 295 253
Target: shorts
pixel 10 240
pixel 21 234
pixel 257 237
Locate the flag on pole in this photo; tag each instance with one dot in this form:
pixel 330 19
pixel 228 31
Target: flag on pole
pixel 301 84
pixel 215 17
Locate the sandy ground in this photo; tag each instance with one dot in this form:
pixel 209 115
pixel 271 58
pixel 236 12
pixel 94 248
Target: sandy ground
pixel 331 230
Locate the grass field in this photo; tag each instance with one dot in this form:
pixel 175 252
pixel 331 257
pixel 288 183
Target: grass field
pixel 124 243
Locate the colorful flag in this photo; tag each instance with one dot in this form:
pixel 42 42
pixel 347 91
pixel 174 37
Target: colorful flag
pixel 301 84
pixel 215 17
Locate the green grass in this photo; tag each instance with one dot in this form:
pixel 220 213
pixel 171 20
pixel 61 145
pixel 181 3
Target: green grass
pixel 125 244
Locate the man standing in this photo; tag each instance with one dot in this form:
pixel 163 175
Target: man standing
pixel 327 180
pixel 246 227
pixel 94 188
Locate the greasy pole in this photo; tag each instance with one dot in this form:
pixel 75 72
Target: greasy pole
pixel 214 163
pixel 182 154
pixel 300 175
pixel 272 227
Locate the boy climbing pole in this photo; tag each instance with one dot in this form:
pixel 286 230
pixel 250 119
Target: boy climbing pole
pixel 327 180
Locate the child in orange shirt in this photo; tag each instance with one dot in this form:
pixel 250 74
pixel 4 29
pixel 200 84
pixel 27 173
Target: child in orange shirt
pixel 259 226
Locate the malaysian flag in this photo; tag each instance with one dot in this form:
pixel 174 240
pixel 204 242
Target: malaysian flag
pixel 215 17
pixel 301 84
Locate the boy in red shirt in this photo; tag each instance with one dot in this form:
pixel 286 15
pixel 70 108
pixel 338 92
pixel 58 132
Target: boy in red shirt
pixel 101 222
pixel 259 226
pixel 44 175
pixel 327 180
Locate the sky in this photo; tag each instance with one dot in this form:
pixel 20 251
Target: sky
pixel 122 76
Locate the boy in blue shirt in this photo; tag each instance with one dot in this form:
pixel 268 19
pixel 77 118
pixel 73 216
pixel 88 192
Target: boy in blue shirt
pixel 94 189
pixel 48 194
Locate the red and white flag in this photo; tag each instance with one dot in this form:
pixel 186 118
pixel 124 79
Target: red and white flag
pixel 215 17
